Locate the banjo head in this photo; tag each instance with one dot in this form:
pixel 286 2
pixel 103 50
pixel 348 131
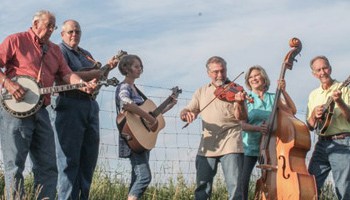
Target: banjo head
pixel 31 102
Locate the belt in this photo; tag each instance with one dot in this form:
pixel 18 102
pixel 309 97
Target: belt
pixel 339 136
pixel 76 95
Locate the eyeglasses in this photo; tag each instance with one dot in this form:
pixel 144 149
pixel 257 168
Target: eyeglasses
pixel 77 32
pixel 51 26
pixel 323 68
pixel 48 24
pixel 216 72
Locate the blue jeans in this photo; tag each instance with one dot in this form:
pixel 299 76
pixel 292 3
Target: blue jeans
pixel 206 170
pixel 140 174
pixel 248 166
pixel 34 136
pixel 77 146
pixel 332 155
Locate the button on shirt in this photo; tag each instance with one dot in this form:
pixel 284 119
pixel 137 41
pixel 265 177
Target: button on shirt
pixel 221 131
pixel 258 112
pixel 319 96
pixel 21 54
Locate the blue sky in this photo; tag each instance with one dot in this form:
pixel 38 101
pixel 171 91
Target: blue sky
pixel 174 38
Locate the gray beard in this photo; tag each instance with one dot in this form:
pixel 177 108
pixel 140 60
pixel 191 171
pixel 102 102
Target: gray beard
pixel 219 82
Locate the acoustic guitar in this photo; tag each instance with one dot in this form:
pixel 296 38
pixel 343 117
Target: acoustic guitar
pixel 323 123
pixel 33 98
pixel 136 131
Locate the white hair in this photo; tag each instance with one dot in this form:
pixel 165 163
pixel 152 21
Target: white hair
pixel 40 13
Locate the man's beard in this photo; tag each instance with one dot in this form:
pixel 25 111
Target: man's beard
pixel 219 82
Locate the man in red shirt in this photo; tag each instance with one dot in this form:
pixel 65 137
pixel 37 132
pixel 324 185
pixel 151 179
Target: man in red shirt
pixel 31 53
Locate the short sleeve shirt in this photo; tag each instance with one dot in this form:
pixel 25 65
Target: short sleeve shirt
pixel 319 96
pixel 77 60
pixel 21 54
pixel 221 131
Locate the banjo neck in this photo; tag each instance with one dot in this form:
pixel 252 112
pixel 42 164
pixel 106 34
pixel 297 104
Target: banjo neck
pixel 61 88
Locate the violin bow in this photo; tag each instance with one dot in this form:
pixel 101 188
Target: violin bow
pixel 211 101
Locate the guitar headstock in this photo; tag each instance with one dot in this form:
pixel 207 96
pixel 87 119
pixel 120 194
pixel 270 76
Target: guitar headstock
pixel 346 82
pixel 120 55
pixel 112 81
pixel 176 91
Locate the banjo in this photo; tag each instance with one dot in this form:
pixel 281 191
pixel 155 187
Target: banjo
pixel 33 98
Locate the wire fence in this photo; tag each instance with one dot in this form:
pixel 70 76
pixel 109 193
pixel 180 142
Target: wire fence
pixel 175 150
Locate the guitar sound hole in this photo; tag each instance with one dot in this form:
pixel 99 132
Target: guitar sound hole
pixel 145 124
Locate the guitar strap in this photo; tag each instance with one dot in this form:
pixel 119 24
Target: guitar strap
pixel 140 93
pixel 44 49
pixel 121 125
pixel 96 64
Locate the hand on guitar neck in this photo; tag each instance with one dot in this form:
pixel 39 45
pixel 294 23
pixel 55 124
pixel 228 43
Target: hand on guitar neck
pixel 98 72
pixel 112 63
pixel 172 103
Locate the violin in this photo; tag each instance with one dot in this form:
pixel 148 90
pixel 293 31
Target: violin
pixel 227 92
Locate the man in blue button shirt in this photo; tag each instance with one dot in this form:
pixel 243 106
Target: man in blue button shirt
pixel 77 120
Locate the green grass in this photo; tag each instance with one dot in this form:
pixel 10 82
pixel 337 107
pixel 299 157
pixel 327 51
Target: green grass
pixel 108 187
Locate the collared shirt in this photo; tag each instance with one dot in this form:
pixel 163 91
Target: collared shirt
pixel 258 112
pixel 21 54
pixel 319 96
pixel 125 94
pixel 221 131
pixel 77 60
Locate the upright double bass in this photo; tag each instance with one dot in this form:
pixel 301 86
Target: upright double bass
pixel 283 149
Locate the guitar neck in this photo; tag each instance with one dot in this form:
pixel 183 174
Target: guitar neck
pixel 106 68
pixel 330 99
pixel 105 71
pixel 161 107
pixel 328 103
pixel 61 88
